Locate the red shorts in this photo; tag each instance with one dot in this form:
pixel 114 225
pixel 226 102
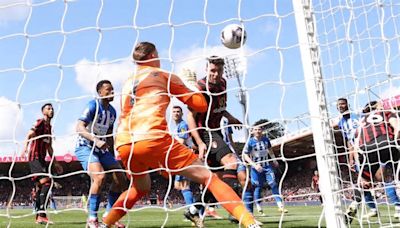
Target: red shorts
pixel 153 154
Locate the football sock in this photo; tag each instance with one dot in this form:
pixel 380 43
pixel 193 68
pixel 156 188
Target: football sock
pixel 276 193
pixel 257 194
pixel 248 200
pixel 37 199
pixel 131 195
pixel 223 193
pixel 369 199
pixel 111 198
pixel 187 196
pixel 94 203
pixel 42 198
pixel 391 194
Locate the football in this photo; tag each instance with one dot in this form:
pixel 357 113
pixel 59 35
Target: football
pixel 233 36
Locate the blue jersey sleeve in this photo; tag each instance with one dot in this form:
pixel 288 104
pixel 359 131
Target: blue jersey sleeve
pixel 182 130
pixel 89 112
pixel 248 147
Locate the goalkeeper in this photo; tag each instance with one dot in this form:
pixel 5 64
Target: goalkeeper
pixel 144 142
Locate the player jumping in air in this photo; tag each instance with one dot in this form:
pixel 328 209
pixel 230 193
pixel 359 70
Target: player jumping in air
pixel 257 153
pixel 144 143
pixel 38 144
pixel 95 149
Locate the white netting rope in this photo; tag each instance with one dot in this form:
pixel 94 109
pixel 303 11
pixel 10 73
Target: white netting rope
pixel 357 42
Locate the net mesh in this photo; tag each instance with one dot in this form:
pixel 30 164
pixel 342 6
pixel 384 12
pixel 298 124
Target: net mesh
pixel 56 51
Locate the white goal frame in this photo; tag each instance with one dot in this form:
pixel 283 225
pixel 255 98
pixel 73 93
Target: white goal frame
pixel 322 134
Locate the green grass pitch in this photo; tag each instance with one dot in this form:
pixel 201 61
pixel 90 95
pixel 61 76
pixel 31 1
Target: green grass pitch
pixel 298 216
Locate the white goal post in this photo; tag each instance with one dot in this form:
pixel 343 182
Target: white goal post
pixel 317 106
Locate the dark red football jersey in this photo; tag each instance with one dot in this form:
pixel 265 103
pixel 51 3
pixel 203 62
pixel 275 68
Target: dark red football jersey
pixel 375 127
pixel 38 146
pixel 216 102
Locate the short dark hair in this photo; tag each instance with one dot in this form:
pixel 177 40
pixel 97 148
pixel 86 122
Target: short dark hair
pixel 142 50
pixel 44 106
pixel 370 106
pixel 101 83
pixel 342 99
pixel 216 60
pixel 177 106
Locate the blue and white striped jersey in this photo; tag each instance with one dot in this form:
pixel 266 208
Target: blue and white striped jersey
pixel 258 150
pixel 99 120
pixel 181 131
pixel 348 126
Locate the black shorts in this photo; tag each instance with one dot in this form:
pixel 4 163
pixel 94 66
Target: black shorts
pixel 218 149
pixel 376 155
pixel 38 166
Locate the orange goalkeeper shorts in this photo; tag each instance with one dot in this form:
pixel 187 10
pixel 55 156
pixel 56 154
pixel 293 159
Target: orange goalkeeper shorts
pixel 152 154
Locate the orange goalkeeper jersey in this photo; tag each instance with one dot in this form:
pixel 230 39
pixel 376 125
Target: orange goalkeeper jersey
pixel 144 101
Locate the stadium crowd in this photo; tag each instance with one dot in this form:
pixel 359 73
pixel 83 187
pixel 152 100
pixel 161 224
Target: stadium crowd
pixel 296 187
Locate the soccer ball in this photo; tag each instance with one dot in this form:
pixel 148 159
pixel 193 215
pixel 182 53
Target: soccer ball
pixel 232 35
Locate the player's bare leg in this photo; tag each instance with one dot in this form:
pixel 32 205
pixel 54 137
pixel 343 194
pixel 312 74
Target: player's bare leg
pixel 97 175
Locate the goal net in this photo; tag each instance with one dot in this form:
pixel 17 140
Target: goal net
pixel 298 59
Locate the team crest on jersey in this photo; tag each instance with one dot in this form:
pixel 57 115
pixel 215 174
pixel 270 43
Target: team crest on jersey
pixel 214 144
